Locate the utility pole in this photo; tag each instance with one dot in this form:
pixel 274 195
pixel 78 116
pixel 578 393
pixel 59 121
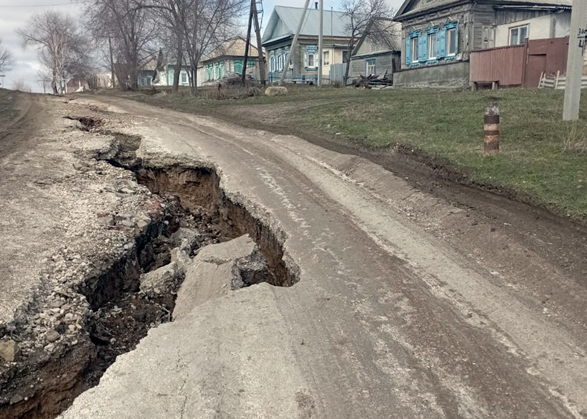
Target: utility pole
pixel 320 36
pixel 295 41
pixel 262 74
pixel 575 61
pixel 248 43
pixel 111 62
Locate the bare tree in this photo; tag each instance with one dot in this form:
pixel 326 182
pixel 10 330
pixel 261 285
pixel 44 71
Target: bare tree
pixel 5 58
pixel 131 33
pixel 21 86
pixel 360 13
pixel 62 49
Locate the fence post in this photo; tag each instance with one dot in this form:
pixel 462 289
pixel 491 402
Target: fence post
pixel 491 128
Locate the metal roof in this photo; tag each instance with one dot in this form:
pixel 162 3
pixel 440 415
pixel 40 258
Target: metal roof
pixel 284 22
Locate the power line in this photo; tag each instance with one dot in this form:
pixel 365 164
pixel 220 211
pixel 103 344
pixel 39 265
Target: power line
pixel 44 5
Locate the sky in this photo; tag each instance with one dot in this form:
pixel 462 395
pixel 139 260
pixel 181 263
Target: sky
pixel 15 13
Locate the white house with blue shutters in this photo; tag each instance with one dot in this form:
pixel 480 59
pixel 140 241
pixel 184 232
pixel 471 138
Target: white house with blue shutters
pixel 438 35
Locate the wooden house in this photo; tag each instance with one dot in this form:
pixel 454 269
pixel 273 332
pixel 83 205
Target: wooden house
pixel 378 51
pixel 439 35
pixel 279 34
pixel 227 59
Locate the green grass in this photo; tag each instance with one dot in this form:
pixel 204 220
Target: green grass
pixel 540 155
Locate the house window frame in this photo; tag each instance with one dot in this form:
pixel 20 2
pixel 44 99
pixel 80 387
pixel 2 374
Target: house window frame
pixel 272 63
pixel 311 60
pixel 370 63
pixel 451 33
pixel 431 37
pixel 183 77
pixel 325 57
pixel 414 43
pixel 519 39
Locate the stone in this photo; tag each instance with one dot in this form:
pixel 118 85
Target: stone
pixel 162 280
pixel 127 223
pixel 276 91
pixel 17 398
pixel 52 336
pixel 9 351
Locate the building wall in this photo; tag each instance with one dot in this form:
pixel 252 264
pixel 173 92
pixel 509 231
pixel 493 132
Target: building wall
pixel 301 70
pixel 454 75
pixel 383 62
pixel 547 26
pixel 460 16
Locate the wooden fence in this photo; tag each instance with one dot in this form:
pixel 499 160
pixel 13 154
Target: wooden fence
pixel 558 82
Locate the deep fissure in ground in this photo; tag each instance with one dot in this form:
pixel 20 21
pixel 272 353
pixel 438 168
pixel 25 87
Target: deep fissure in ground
pixel 190 198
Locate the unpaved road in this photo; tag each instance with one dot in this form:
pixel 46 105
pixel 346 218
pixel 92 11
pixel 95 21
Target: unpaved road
pixel 407 306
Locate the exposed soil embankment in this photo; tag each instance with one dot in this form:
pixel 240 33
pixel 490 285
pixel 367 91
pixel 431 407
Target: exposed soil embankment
pixel 115 310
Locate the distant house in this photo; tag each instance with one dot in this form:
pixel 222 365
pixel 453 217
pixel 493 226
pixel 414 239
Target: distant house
pixel 379 50
pixel 279 34
pixel 148 76
pixel 438 36
pixel 228 59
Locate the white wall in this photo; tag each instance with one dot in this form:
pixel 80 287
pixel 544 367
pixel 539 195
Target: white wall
pixel 538 28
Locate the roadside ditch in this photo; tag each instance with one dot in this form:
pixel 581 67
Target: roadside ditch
pixel 118 310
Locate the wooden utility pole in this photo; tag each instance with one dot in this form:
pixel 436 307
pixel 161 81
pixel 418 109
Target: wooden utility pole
pixel 292 50
pixel 248 43
pixel 320 36
pixel 262 73
pixel 575 61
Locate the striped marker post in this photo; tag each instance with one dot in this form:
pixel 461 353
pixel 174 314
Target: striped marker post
pixel 491 129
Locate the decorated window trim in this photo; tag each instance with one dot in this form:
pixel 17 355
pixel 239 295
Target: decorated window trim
pixel 311 50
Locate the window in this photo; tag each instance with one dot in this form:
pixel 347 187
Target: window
pixel 415 54
pixel 345 56
pixel 311 59
pixel 272 64
pixel 432 46
pixel 518 35
pixel 238 66
pixel 184 77
pixel 370 67
pixel 326 58
pixel 451 42
pixel 279 61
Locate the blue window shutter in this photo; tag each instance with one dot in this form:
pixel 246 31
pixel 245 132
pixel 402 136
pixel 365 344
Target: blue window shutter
pixel 457 38
pixel 408 51
pixel 441 43
pixel 423 48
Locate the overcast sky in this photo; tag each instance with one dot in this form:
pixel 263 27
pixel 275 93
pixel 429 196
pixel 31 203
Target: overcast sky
pixel 15 13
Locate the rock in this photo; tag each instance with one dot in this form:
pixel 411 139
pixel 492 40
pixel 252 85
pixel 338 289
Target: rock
pixel 162 280
pixel 276 91
pixel 52 336
pixel 17 398
pixel 50 347
pixel 217 269
pixel 9 351
pixel 127 223
pixel 143 224
pixel 192 236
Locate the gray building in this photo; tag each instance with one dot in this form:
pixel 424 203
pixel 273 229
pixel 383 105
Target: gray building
pixel 378 51
pixel 438 36
pixel 279 34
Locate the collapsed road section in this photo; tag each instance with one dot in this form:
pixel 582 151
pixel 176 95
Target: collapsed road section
pixel 98 301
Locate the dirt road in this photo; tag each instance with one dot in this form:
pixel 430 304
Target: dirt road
pixel 406 305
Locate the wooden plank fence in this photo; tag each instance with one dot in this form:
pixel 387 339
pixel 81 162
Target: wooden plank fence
pixel 557 82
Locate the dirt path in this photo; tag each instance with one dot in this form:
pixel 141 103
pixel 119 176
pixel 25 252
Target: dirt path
pixel 416 297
